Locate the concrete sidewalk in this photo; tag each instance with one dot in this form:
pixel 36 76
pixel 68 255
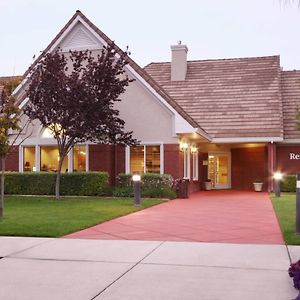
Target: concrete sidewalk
pixel 62 269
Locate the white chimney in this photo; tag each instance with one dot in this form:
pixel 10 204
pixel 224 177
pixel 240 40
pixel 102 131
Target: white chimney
pixel 179 62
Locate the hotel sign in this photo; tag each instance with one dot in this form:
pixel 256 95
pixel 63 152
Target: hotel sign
pixel 294 156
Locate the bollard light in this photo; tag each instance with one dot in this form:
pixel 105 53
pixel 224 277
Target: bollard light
pixel 278 177
pixel 136 178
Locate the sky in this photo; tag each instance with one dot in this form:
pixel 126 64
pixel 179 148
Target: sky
pixel 211 29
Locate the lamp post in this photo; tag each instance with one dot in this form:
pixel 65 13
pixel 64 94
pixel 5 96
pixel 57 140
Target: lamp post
pixel 277 176
pixel 136 178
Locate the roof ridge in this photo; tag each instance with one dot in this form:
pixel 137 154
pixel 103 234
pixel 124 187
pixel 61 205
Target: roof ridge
pixel 290 71
pixel 219 59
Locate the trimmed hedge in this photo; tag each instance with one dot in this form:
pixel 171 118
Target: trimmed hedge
pixel 72 184
pixel 153 186
pixel 288 183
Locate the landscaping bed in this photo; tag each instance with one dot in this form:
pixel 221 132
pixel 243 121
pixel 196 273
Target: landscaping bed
pixel 41 216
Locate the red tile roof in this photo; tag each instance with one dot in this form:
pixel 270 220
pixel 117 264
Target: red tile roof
pixel 290 88
pixel 229 97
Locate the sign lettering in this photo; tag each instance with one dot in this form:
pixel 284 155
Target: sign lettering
pixel 294 156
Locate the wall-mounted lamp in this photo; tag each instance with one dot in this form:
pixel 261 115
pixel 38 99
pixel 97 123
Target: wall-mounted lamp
pixel 183 146
pixel 194 149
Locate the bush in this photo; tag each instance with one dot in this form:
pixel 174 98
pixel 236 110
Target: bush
pixel 153 186
pixel 79 184
pixel 288 183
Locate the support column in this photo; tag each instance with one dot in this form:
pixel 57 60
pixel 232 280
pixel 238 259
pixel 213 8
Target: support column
pixel 271 165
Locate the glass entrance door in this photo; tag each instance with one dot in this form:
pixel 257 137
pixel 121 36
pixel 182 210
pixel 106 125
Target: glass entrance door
pixel 219 170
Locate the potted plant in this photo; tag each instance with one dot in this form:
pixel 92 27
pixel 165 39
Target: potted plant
pixel 207 184
pixel 294 272
pixel 258 184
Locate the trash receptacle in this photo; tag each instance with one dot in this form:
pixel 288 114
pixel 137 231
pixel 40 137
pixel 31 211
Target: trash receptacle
pixel 183 188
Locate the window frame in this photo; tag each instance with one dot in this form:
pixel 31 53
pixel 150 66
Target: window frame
pixel 145 144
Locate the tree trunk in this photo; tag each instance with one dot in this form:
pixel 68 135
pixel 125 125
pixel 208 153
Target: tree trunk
pixel 57 184
pixel 2 187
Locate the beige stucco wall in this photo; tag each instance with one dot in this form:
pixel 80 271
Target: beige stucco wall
pixel 141 111
pixel 145 116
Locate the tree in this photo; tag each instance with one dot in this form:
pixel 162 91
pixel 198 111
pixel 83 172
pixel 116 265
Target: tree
pixel 10 130
pixel 77 103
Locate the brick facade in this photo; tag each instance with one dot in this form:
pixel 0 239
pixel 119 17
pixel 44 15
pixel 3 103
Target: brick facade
pixel 285 163
pixel 107 158
pixel 249 165
pixel 173 160
pixel 12 161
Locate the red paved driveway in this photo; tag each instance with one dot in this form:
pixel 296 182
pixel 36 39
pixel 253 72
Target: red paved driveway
pixel 214 216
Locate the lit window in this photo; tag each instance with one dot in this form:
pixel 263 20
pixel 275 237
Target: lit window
pixel 50 158
pixel 79 159
pixel 29 159
pixel 145 159
pixel 137 159
pixel 195 166
pixel 47 133
pixel 152 159
pixel 186 163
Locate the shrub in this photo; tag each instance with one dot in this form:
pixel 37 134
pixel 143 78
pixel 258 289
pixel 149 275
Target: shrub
pixel 288 183
pixel 153 186
pixel 81 184
pixel 122 191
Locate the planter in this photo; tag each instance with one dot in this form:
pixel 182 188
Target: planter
pixel 207 185
pixel 257 186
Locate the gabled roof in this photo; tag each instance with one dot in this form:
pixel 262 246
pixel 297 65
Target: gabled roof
pixel 140 71
pixel 229 98
pixel 290 81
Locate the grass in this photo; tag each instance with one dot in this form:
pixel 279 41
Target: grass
pixel 46 217
pixel 285 208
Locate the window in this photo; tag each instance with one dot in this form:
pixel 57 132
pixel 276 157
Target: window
pixel 152 159
pixel 137 159
pixel 49 159
pixel 79 159
pixel 195 166
pixel 47 133
pixel 145 159
pixel 186 163
pixel 29 159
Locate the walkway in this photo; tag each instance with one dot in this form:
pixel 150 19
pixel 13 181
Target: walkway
pixel 214 216
pixel 76 269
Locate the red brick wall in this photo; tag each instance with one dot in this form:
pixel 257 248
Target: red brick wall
pixel 107 158
pixel 284 163
pixel 12 161
pixel 248 165
pixel 173 160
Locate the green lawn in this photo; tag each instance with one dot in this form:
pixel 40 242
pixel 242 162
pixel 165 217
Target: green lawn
pixel 285 208
pixel 46 217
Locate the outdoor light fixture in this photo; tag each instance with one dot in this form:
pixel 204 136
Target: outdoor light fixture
pixel 278 177
pixel 194 149
pixel 184 146
pixel 136 178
